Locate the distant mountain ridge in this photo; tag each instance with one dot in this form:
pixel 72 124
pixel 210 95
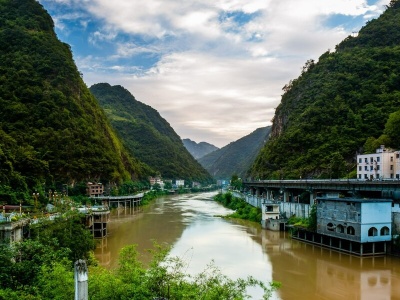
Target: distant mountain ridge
pixel 147 135
pixel 237 157
pixel 198 150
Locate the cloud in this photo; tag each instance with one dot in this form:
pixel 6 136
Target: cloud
pixel 214 69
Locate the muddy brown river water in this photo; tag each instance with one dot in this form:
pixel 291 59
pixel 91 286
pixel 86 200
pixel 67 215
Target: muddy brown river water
pixel 189 224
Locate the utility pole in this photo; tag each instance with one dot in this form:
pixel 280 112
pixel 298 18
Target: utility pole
pixel 81 280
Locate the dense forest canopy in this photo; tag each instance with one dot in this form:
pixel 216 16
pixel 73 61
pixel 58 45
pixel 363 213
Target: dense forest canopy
pixel 52 129
pixel 147 135
pixel 338 107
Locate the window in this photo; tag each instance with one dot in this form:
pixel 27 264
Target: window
pixel 378 159
pixel 391 158
pixel 372 160
pixel 365 176
pixel 366 168
pixel 366 160
pixel 360 160
pixel 378 167
pixel 385 230
pixel 359 176
pixel 372 231
pixel 340 229
pixel 330 227
pixel 391 167
pixel 371 168
pixel 350 230
pixel 359 168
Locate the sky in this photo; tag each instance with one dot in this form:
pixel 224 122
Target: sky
pixel 214 69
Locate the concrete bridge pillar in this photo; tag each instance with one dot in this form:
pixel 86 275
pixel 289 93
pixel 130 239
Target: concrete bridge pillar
pixel 269 195
pixel 286 196
pixel 252 190
pixel 312 197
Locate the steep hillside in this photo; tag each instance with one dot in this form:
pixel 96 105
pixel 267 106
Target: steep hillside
pixel 237 157
pixel 336 105
pixel 147 135
pixel 52 129
pixel 198 150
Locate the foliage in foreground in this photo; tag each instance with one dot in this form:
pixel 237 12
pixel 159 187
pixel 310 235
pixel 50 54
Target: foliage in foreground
pixel 165 278
pixel 242 209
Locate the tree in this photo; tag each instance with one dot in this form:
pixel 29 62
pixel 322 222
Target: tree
pixel 66 232
pixel 236 182
pixel 392 129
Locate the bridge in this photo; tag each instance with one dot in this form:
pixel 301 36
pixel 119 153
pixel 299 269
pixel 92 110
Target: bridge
pixel 125 201
pixel 290 190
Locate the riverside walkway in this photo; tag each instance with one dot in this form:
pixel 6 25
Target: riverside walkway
pixel 126 201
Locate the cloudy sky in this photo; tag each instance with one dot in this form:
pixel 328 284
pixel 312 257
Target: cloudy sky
pixel 214 69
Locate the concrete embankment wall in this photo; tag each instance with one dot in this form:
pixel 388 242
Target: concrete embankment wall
pixel 289 208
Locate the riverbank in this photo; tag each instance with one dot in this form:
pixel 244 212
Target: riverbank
pixel 242 209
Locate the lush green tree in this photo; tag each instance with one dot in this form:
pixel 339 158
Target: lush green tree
pixel 66 232
pixel 56 281
pixel 22 263
pixel 236 182
pixel 392 130
pixel 167 185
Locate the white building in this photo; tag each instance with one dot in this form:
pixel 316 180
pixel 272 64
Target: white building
pixel 384 164
pixel 179 182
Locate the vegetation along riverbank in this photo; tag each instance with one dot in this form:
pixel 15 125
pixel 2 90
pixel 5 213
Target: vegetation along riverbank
pixel 242 209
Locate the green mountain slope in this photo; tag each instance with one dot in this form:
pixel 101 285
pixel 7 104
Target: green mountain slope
pixel 336 105
pixel 198 150
pixel 147 135
pixel 237 157
pixel 52 129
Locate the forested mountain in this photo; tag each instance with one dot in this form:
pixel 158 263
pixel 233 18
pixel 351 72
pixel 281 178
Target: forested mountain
pixel 237 157
pixel 346 103
pixel 52 129
pixel 147 135
pixel 198 150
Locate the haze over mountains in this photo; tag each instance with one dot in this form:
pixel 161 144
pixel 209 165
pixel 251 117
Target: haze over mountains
pixel 198 150
pixel 236 157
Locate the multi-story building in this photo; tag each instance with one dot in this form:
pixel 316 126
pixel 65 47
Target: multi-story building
pixel 94 189
pixel 154 180
pixel 384 164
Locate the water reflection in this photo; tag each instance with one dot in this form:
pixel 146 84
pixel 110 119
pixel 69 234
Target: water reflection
pixel 241 248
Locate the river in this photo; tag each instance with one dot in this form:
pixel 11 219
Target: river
pixel 188 222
